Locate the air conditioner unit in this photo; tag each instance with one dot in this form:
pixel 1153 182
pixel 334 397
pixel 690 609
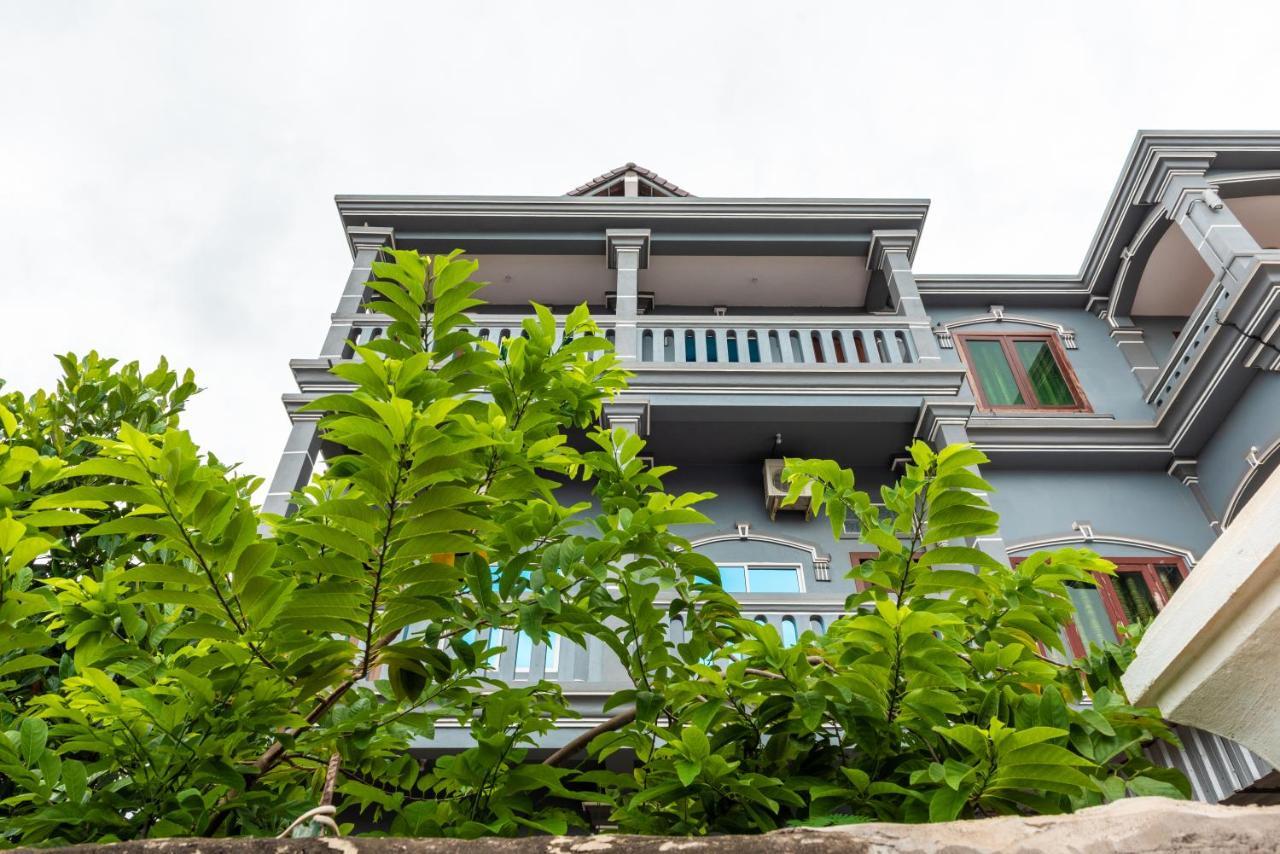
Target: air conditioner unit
pixel 775 491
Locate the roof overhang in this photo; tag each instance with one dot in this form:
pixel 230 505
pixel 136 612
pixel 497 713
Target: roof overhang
pixel 1240 163
pixel 569 225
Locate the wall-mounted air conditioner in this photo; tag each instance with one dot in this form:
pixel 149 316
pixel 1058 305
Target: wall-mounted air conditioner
pixel 775 491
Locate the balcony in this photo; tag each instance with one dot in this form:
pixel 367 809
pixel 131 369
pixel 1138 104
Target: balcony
pixel 790 341
pixel 1228 336
pixel 775 371
pixel 589 675
pixel 704 341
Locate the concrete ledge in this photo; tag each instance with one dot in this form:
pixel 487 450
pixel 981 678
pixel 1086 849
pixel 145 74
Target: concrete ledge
pixel 1209 659
pixel 1135 825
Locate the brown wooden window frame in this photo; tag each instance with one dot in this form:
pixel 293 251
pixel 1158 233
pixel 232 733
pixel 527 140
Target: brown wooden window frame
pixel 1020 376
pixel 855 559
pixel 1144 566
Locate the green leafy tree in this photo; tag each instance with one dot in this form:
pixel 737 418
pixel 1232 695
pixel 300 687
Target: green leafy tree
pixel 943 694
pixel 217 679
pixel 176 663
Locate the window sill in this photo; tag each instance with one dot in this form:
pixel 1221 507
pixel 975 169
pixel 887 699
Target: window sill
pixel 985 419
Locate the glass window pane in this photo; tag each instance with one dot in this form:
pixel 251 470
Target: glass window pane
pixel 994 374
pixel 774 580
pixel 753 348
pixel 551 663
pixel 1170 577
pixel 731 346
pixel 1046 377
pixel 733 579
pixel 789 636
pixel 523 652
pixel 1092 622
pixel 1136 600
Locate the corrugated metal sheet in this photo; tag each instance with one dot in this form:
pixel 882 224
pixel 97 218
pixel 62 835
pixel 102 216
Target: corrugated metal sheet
pixel 1217 767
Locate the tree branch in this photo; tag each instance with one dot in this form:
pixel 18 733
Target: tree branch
pixel 616 722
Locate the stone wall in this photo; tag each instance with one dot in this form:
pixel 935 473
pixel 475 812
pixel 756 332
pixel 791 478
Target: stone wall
pixel 1134 825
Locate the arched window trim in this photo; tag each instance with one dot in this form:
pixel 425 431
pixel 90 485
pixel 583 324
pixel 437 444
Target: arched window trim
pixel 1075 538
pixel 1265 466
pixel 996 315
pixel 821 562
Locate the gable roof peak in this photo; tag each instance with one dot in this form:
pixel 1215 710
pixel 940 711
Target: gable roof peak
pixel 611 183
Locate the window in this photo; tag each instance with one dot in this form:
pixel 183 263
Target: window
pixel 1022 371
pixel 760 578
pixel 521 645
pixel 789 634
pixel 1137 592
pixel 551 662
pixel 523 652
pixel 852 528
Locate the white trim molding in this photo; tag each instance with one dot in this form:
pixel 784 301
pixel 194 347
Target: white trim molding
pixel 821 562
pixel 1258 464
pixel 996 315
pixel 1077 537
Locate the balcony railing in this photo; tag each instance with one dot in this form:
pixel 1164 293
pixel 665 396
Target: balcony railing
pixel 594 667
pixel 707 341
pixel 774 341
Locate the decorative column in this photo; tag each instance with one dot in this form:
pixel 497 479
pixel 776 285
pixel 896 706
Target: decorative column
pixel 1186 471
pixel 294 470
pixel 893 286
pixel 628 252
pixel 302 449
pixel 1133 346
pixel 1177 182
pixel 630 415
pixel 366 243
pixel 946 423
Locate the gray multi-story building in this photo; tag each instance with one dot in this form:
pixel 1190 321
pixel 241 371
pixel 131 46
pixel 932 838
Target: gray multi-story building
pixel 1132 408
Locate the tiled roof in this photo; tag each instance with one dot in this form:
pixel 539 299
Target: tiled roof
pixel 650 176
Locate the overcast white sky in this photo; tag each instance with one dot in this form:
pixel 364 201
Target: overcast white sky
pixel 167 170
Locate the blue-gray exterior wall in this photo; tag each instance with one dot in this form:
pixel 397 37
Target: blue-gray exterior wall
pixel 1253 422
pixel 1038 505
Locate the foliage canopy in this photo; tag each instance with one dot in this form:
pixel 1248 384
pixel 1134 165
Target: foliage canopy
pixel 175 662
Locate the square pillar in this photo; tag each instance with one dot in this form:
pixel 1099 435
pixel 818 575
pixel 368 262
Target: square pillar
pixel 1133 346
pixel 1187 471
pixel 1177 182
pixel 630 415
pixel 301 451
pixel 946 423
pixel 628 253
pixel 367 243
pixel 893 285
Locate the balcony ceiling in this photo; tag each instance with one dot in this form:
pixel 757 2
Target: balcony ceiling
pixel 764 281
pixel 854 438
pixel 1173 280
pixel 761 280
pixel 1175 276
